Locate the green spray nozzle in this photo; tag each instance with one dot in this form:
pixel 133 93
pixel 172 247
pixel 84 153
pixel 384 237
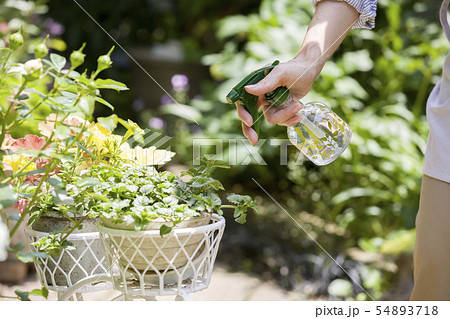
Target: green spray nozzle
pixel 249 101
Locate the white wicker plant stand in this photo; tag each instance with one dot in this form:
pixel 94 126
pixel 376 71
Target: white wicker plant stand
pixel 73 272
pixel 145 265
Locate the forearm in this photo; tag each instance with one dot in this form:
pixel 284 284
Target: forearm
pixel 328 28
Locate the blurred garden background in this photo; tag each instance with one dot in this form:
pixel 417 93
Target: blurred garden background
pixel 361 208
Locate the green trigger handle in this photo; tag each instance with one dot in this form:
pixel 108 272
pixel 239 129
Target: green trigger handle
pixel 249 101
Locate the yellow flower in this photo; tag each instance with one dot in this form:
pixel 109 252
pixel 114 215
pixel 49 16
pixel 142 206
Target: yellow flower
pixel 133 129
pixel 99 130
pixel 113 142
pixel 15 162
pixel 84 165
pixel 145 156
pixel 99 135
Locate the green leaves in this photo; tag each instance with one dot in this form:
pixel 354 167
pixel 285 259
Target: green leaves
pixel 4 53
pixel 243 203
pixel 25 296
pixel 109 122
pixel 60 197
pixel 207 202
pixel 50 245
pixel 146 189
pixel 164 230
pixel 186 112
pixel 57 61
pixel 87 182
pixel 209 161
pixel 110 84
pixel 16 248
pixel 340 288
pixel 28 257
pixel 8 196
pixel 133 192
pixel 205 183
pixel 28 92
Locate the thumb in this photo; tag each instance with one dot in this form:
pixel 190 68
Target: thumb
pixel 269 83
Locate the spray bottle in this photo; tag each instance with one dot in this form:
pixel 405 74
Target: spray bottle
pixel 321 135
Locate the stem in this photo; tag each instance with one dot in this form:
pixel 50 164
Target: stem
pixel 4 63
pixel 33 199
pixel 73 228
pixel 52 91
pixel 49 169
pixel 4 128
pixel 4 216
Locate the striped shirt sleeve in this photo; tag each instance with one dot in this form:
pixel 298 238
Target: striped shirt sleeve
pixel 367 11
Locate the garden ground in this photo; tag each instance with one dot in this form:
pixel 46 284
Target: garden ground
pixel 226 286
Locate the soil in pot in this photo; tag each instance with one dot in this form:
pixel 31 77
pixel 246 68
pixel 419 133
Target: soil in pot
pixel 63 268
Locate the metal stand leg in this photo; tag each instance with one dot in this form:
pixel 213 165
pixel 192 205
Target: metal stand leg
pixel 79 297
pixel 71 291
pixel 183 297
pixel 150 298
pixel 128 297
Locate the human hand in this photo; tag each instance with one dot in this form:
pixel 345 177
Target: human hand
pixel 297 76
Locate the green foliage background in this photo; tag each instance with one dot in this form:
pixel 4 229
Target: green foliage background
pixel 377 81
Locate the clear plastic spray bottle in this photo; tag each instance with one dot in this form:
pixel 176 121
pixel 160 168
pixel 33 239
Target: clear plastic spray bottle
pixel 322 136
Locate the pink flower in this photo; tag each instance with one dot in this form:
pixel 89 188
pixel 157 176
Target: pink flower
pixel 29 142
pixel 7 142
pixel 180 82
pixel 21 204
pixel 46 127
pixel 36 178
pixel 41 163
pixel 4 27
pixel 76 121
pixel 156 123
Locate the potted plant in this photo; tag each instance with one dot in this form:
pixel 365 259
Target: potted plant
pixel 35 167
pixel 106 179
pixel 63 208
pixel 141 198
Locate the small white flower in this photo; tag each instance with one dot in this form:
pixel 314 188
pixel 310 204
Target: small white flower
pixel 32 66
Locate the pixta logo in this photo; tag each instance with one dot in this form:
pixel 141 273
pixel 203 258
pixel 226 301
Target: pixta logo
pixel 241 151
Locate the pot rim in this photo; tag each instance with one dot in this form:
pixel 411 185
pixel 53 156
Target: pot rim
pixel 123 225
pixel 218 221
pixel 73 236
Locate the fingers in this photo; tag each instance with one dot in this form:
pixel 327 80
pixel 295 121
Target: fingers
pixel 250 134
pixel 247 122
pixel 244 115
pixel 292 121
pixel 269 83
pixel 284 116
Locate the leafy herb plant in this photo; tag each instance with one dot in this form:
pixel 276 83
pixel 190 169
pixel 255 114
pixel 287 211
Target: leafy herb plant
pixel 140 195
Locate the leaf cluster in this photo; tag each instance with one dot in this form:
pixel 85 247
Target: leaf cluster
pixel 140 195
